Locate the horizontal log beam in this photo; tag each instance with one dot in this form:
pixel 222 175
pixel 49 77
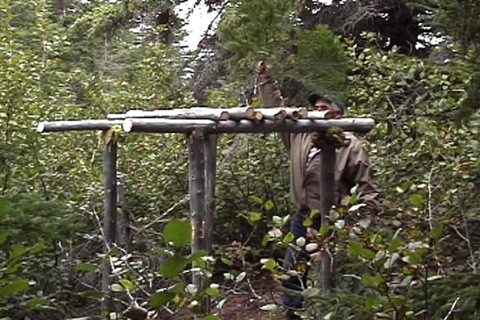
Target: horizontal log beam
pixel 192 113
pixel 238 113
pixel 245 126
pixel 76 125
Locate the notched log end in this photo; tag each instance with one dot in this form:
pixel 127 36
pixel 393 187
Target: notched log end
pixel 224 115
pixel 127 125
pixel 303 112
pixel 257 116
pixel 41 127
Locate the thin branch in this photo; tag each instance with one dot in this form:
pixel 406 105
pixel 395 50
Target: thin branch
pixel 452 308
pixel 430 217
pixel 467 237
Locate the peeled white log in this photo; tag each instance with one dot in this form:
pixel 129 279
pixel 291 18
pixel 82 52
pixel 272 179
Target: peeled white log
pixel 239 113
pixel 190 113
pixel 76 125
pixel 274 114
pixel 297 113
pixel 322 114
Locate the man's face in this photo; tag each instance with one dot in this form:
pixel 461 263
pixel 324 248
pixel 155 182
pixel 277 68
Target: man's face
pixel 322 105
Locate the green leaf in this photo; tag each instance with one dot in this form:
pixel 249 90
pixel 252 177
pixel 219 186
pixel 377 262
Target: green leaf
pixel 324 230
pixel 314 213
pixel 254 217
pixel 307 222
pixel 13 288
pixel 367 254
pixel 158 300
pixel 269 205
pixel 17 250
pixel 37 302
pixel 288 238
pixel 173 267
pixel 37 248
pixel 394 245
pixel 436 232
pixel 179 232
pixel 334 215
pixel 355 248
pixel 86 267
pixel 311 292
pixel 416 200
pixel 376 238
pixel 412 258
pixel 257 200
pixel 270 264
pixel 372 281
pixel 212 292
pixel 374 301
pixel 266 239
pixel 127 284
pixel 226 261
pixel 3 236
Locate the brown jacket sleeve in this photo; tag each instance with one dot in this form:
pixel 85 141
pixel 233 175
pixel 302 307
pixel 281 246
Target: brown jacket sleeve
pixel 359 172
pixel 272 98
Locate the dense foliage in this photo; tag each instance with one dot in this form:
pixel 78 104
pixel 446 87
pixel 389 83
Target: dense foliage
pixel 83 59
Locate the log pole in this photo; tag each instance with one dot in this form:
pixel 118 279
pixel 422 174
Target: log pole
pixel 328 160
pixel 197 182
pixel 77 125
pixel 210 180
pixel 109 217
pixel 245 126
pixel 191 113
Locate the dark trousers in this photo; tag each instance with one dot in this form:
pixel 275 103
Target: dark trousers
pixel 297 257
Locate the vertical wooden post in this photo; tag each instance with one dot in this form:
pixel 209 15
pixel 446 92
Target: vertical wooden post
pixel 123 215
pixel 196 143
pixel 210 179
pixel 328 159
pixel 110 214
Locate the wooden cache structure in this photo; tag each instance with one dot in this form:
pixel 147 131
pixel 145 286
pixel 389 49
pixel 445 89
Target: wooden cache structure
pixel 202 126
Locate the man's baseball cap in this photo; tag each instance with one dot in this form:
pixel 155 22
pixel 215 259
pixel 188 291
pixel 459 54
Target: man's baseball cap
pixel 313 98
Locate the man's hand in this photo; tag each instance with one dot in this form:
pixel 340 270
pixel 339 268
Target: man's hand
pixel 261 68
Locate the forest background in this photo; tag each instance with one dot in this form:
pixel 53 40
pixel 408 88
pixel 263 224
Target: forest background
pixel 413 66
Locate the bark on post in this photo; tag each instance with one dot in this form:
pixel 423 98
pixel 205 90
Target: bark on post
pixel 110 214
pixel 197 146
pixel 328 160
pixel 123 216
pixel 210 179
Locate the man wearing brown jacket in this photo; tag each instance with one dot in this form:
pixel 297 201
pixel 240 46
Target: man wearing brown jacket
pixel 352 169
